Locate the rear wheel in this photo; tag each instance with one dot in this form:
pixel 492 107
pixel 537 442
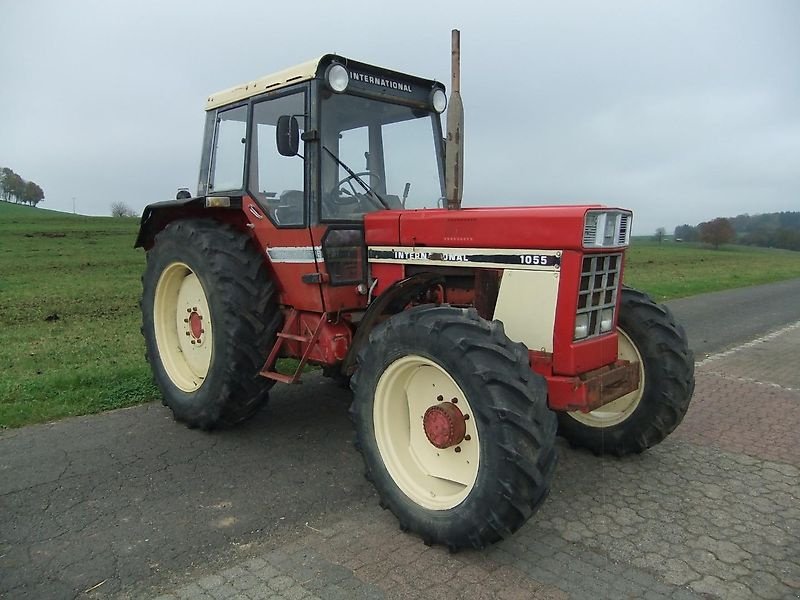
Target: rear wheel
pixel 453 426
pixel 208 318
pixel 649 335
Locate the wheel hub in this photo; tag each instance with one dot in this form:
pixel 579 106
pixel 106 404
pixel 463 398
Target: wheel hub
pixel 444 425
pixel 196 324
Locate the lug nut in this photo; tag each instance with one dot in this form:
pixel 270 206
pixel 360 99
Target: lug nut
pixel 188 310
pixel 187 333
pixel 194 309
pixel 186 320
pixel 454 400
pixel 466 417
pixel 193 342
pixel 440 397
pixel 458 448
pixel 467 437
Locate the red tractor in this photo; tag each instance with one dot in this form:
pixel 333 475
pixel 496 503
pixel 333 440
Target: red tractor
pixel 323 230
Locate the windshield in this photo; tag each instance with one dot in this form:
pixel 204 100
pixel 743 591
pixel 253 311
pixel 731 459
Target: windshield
pixel 391 153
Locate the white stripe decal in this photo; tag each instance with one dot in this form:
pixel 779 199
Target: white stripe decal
pixel 295 254
pixel 504 258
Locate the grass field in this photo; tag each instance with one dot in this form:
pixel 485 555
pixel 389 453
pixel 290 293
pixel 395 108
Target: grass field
pixel 69 290
pixel 675 270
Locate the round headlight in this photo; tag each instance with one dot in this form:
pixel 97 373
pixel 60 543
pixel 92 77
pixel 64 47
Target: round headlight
pixel 439 100
pixel 337 77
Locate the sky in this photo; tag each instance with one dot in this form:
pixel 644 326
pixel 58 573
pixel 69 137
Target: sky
pixel 680 110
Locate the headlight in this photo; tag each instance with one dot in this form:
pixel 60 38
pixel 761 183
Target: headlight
pixel 337 77
pixel 607 228
pixel 438 100
pixel 606 319
pixel 581 326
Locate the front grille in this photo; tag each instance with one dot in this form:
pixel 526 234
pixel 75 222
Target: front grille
pixel 622 237
pixel 598 288
pixel 590 230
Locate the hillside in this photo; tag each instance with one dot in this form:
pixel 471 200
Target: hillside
pixel 69 288
pixel 22 216
pixel 767 230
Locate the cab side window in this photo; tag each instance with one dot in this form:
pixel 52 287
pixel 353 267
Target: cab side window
pixel 278 182
pixel 227 170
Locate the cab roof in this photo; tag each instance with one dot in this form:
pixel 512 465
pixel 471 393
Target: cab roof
pixel 302 72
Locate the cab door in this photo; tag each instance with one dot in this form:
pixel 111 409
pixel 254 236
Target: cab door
pixel 340 235
pixel 280 189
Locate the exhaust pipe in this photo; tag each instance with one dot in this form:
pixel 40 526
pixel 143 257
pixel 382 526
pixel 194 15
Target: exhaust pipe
pixel 454 146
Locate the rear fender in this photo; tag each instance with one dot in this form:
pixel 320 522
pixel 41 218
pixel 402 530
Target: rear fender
pixel 157 216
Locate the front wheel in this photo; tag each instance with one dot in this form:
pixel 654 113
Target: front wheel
pixel 453 426
pixel 649 335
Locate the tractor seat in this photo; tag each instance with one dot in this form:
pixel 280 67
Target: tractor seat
pixel 289 209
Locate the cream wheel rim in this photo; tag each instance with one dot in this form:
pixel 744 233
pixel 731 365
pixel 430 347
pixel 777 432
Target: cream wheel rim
pixel 434 478
pixel 623 407
pixel 183 329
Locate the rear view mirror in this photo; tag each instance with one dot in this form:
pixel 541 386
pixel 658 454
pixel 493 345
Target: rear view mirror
pixel 287 135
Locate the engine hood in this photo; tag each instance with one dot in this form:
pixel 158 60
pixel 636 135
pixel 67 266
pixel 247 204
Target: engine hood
pixel 539 227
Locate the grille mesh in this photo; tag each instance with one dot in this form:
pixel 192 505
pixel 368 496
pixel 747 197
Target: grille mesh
pixel 598 288
pixel 590 230
pixel 622 238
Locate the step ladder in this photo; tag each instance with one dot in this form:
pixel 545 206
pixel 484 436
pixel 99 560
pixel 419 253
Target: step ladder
pixel 310 340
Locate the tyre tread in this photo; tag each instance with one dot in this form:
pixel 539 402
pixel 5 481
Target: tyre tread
pixel 247 322
pixel 525 435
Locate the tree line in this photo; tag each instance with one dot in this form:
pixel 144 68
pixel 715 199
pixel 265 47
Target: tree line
pixel 13 187
pixel 770 230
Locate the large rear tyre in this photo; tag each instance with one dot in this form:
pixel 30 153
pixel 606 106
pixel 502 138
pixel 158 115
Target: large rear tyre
pixel 649 335
pixel 209 318
pixel 453 426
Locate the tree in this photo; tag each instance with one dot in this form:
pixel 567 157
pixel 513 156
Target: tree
pixel 32 194
pixel 687 233
pixel 5 183
pixel 120 209
pixel 717 232
pixel 14 186
pixel 660 233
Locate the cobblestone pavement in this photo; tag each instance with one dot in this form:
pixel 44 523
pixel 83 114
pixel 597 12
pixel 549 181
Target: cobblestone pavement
pixel 712 512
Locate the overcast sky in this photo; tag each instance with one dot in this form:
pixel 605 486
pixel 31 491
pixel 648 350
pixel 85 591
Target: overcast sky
pixel 680 110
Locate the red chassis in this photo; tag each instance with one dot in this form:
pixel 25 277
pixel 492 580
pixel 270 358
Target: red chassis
pixel 326 323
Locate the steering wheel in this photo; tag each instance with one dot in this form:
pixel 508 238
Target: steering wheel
pixel 349 181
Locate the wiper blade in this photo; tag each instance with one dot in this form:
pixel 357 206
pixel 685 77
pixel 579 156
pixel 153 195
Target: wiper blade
pixel 358 179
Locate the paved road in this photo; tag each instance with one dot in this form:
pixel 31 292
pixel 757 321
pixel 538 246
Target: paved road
pixel 723 319
pixel 130 505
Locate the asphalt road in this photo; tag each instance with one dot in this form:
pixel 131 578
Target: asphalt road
pixel 722 319
pixel 131 504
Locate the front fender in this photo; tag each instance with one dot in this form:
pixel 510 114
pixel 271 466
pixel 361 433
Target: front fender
pixel 393 299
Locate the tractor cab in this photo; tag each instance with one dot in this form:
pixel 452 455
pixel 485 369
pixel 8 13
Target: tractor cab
pixel 326 142
pixel 313 149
